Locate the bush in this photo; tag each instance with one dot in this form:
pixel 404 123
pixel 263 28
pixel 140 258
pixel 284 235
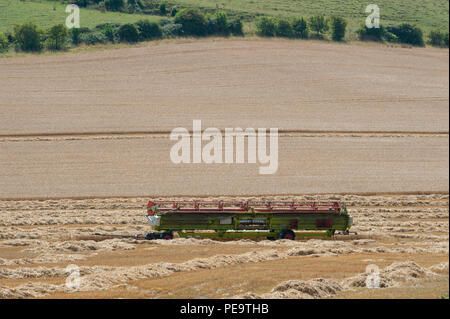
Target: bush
pixel 163 9
pixel 338 26
pixel 172 30
pixel 4 43
pixel 114 5
pixel 218 24
pixel 371 34
pixel 266 27
pixel 93 38
pixel 110 33
pixel 193 22
pixel 149 30
pixel 284 29
pixel 28 37
pixel 221 23
pixel 236 27
pixel 318 24
pixel 75 35
pixel 407 33
pixel 300 28
pixel 174 11
pixel 128 33
pixel 438 38
pixel 390 37
pixel 56 37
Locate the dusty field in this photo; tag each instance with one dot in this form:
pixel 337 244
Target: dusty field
pixel 405 235
pixel 292 85
pixel 84 144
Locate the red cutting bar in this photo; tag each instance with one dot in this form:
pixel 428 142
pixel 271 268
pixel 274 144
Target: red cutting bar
pixel 240 206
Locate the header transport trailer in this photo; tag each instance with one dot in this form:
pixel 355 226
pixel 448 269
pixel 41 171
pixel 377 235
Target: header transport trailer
pixel 227 219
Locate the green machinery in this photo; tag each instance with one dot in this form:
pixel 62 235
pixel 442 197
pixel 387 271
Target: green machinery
pixel 250 219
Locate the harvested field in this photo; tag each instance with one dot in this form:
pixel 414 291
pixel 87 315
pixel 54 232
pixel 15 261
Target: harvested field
pixel 84 145
pixel 292 85
pixel 392 234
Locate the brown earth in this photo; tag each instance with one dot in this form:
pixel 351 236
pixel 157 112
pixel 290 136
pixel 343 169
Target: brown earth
pixel 292 85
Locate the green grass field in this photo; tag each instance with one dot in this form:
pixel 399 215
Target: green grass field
pixel 427 14
pixel 41 12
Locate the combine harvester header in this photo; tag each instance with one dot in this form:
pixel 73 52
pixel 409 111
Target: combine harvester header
pixel 246 219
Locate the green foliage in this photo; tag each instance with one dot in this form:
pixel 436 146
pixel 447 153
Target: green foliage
pixel 28 37
pixel 110 33
pixel 318 24
pixel 149 30
pixel 4 43
pixel 128 33
pixel 236 27
pixel 221 23
pixel 438 38
pixel 163 8
pixel 193 22
pixel 371 34
pixel 56 37
pixel 93 38
pixel 75 35
pixel 407 33
pixel 300 28
pixel 284 29
pixel 266 27
pixel 174 11
pixel 218 23
pixel 172 30
pixel 114 5
pixel 338 26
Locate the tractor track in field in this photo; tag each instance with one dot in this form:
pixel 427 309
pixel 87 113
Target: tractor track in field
pixel 165 134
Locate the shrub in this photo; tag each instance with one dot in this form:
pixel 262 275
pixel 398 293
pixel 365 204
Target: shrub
pixel 93 38
pixel 172 30
pixel 266 27
pixel 4 43
pixel 218 24
pixel 438 38
pixel 390 37
pixel 80 3
pixel 75 35
pixel 56 37
pixel 149 30
pixel 319 25
pixel 284 29
pixel 300 28
pixel 174 11
pixel 114 5
pixel 407 33
pixel 28 37
pixel 371 34
pixel 236 27
pixel 222 23
pixel 128 33
pixel 110 33
pixel 193 22
pixel 338 26
pixel 163 8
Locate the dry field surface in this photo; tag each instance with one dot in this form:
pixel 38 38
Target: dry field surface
pixel 406 236
pixel 84 144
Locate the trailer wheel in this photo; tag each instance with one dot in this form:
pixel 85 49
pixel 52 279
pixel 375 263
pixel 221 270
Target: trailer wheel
pixel 167 235
pixel 287 234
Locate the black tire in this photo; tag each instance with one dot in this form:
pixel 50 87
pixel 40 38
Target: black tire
pixel 287 234
pixel 167 235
